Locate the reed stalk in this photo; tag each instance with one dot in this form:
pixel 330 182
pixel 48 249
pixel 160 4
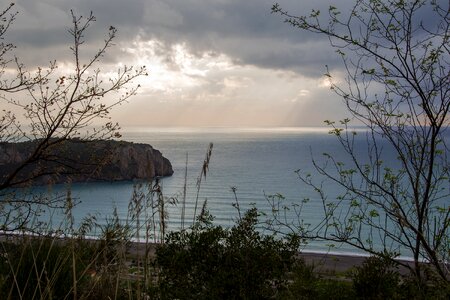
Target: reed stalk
pixel 183 205
pixel 203 172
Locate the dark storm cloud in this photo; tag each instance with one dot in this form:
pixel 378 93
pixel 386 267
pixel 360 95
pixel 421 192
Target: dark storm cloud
pixel 246 31
pixel 230 38
pixel 34 37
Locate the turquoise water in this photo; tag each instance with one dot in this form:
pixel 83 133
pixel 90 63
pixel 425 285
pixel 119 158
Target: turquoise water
pixel 257 162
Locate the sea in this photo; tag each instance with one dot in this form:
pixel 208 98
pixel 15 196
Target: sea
pixel 248 167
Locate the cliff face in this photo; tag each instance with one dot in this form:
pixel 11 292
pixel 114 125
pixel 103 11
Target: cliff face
pixel 81 161
pixel 135 161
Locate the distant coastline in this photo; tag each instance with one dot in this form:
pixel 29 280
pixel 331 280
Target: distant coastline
pixel 82 161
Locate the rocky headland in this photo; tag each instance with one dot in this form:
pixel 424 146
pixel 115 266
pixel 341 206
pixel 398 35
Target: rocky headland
pixel 81 161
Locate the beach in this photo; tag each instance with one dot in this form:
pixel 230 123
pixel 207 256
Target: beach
pixel 324 263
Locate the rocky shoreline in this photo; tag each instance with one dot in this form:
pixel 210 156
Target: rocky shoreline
pixel 83 161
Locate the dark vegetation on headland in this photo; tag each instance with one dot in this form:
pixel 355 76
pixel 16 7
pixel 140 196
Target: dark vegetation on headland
pixel 76 160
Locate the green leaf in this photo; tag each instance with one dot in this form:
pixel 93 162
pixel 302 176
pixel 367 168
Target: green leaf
pixel 374 213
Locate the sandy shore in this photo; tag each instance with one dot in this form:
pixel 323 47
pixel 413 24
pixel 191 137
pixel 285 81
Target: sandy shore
pixel 329 263
pixel 338 263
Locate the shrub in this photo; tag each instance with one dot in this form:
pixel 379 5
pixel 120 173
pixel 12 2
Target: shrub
pixel 376 278
pixel 210 262
pixel 307 284
pixel 42 268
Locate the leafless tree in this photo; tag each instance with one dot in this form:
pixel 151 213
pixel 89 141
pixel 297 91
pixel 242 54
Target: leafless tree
pixel 46 108
pixel 397 86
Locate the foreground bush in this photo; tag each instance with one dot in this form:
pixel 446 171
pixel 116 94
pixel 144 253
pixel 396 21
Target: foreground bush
pixel 42 268
pixel 209 262
pixel 204 262
pixel 379 278
pixel 48 267
pixel 306 283
pixel 376 278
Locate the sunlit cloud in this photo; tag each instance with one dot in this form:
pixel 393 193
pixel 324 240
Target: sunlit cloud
pixel 211 89
pixel 221 63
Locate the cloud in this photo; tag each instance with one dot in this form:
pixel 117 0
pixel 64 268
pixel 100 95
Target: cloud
pixel 223 62
pixel 213 91
pixel 246 31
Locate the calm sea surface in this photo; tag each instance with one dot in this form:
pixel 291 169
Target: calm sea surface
pixel 257 162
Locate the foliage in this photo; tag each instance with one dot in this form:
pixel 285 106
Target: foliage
pixel 396 85
pixel 205 261
pixel 63 263
pixel 210 262
pixel 376 278
pixel 306 283
pixel 41 268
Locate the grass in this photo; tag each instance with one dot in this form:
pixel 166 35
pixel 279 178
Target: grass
pixel 202 259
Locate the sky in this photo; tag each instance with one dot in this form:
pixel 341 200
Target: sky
pixel 210 63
